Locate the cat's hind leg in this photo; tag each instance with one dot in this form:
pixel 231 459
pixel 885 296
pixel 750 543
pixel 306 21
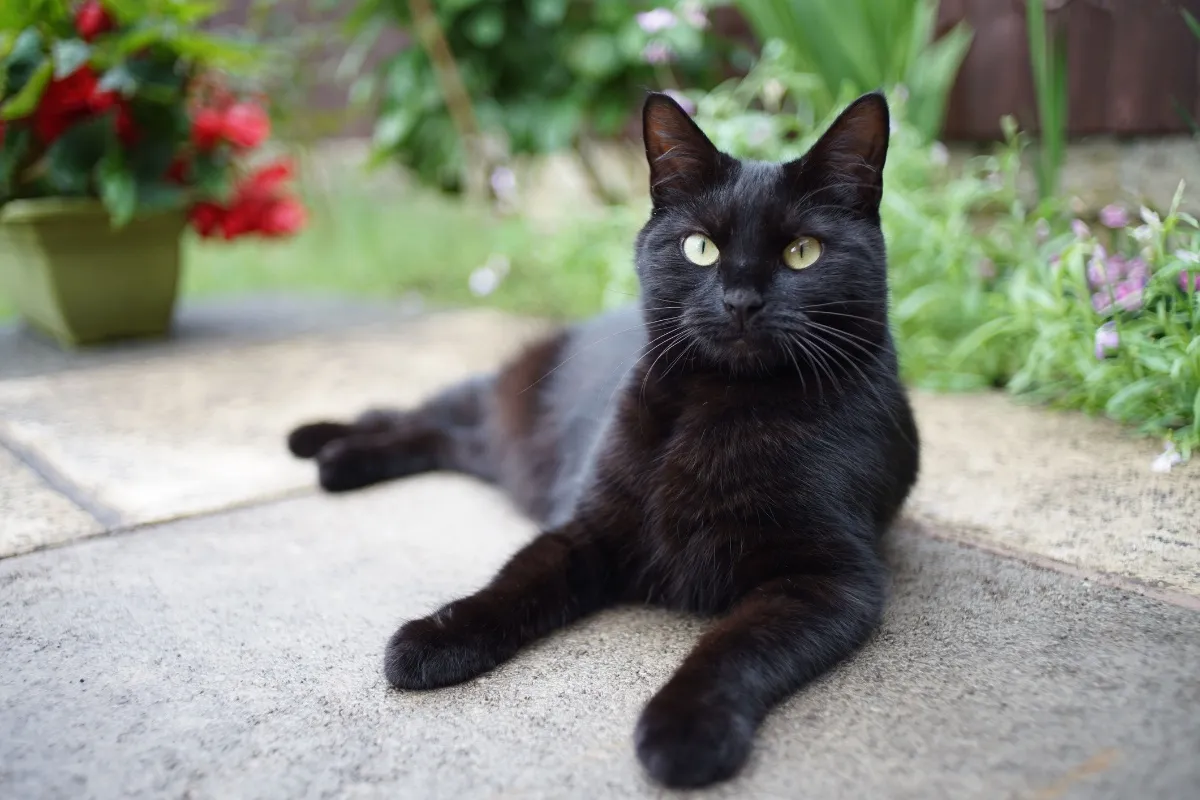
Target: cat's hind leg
pixel 446 433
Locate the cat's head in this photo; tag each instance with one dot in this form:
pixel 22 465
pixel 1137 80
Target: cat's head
pixel 763 266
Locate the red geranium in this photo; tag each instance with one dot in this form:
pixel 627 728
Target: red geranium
pixel 243 125
pixel 72 99
pixel 206 128
pixel 246 125
pixel 91 20
pixel 259 206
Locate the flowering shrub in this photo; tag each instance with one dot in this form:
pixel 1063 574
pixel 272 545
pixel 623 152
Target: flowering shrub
pixel 119 100
pixel 540 75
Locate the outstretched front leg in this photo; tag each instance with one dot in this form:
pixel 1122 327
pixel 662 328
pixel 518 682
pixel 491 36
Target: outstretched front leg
pixel 700 727
pixel 557 578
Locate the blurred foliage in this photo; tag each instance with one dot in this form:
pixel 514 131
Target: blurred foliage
pixel 857 46
pixel 541 74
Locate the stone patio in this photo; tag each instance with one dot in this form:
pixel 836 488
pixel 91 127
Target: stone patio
pixel 182 615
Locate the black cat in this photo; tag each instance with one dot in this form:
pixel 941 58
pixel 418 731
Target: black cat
pixel 735 448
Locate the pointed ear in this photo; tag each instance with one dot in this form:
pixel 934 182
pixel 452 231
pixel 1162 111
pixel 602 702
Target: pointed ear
pixel 682 159
pixel 848 160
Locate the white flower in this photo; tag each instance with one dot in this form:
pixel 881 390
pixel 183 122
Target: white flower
pixel 939 154
pixel 1188 256
pixel 656 20
pixel 1150 218
pixel 504 183
pixel 485 280
pixel 693 14
pixel 1167 459
pixel 1144 234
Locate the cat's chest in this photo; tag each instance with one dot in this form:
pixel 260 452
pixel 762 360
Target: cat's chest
pixel 730 463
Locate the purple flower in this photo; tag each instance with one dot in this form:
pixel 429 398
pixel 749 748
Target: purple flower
pixel 656 20
pixel 1128 295
pixel 1107 340
pixel 1080 229
pixel 1114 216
pixel 987 269
pixel 658 53
pixel 1056 262
pixel 1185 278
pixel 681 98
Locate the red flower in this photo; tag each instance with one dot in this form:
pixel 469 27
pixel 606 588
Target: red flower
pixel 179 170
pixel 246 125
pixel 206 218
pixel 269 178
pixel 207 127
pixel 258 207
pixel 91 20
pixel 126 127
pixel 283 217
pixel 66 101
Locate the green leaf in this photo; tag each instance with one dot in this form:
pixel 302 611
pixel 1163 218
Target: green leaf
pixel 118 190
pixel 119 79
pixel 26 100
pixel 69 55
pixel 14 148
pixel 25 56
pixel 158 196
pixel 73 157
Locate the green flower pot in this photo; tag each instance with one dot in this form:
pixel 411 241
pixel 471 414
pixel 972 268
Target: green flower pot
pixel 75 278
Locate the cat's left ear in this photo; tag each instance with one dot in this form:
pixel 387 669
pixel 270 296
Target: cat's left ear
pixel 682 159
pixel 848 160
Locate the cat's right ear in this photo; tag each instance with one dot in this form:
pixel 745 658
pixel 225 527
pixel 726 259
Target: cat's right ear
pixel 682 159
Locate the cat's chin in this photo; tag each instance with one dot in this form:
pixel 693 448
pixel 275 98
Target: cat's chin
pixel 750 351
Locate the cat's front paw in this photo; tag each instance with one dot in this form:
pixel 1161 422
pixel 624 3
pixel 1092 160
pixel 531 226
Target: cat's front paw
pixel 426 654
pixel 687 742
pixel 307 440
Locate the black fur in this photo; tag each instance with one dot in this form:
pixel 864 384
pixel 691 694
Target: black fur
pixel 735 449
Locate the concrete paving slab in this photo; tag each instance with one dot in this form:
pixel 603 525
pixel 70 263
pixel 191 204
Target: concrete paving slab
pixel 239 655
pixel 34 515
pixel 199 430
pixel 1060 485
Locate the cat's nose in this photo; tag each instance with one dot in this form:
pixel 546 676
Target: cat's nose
pixel 742 305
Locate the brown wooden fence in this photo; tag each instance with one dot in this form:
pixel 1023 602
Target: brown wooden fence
pixel 1132 66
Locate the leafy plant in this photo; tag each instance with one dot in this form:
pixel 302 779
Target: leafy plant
pixel 855 46
pixel 541 75
pixel 120 101
pixel 1048 59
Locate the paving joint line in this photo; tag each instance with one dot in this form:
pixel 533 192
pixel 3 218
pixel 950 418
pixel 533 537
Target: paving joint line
pixel 57 481
pixel 930 525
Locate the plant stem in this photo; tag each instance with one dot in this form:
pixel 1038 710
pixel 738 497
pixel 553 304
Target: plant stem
pixel 454 92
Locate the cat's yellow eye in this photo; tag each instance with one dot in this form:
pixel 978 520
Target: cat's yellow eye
pixel 700 250
pixel 802 253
